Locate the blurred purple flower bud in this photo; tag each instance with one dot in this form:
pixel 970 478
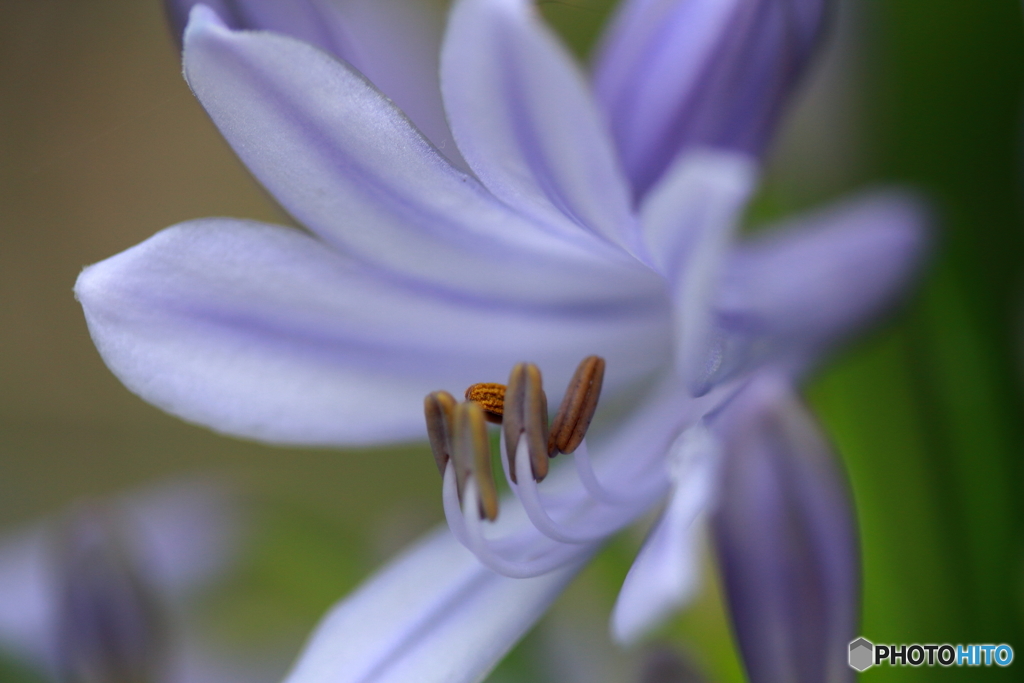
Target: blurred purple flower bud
pixel 108 626
pixel 678 74
pixel 786 539
pixel 76 595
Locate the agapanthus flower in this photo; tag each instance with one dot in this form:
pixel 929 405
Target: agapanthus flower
pixel 510 219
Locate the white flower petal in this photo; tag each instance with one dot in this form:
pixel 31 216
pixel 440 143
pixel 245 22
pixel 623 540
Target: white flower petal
pixel 666 571
pixel 266 332
pixel 689 220
pixel 434 615
pixel 344 161
pixel 525 121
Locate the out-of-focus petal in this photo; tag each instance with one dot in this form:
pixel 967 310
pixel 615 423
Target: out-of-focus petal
pixel 27 596
pixel 677 73
pixel 786 539
pixel 394 43
pixel 689 221
pixel 523 117
pixel 434 615
pixel 346 163
pixel 268 333
pixel 666 571
pixel 317 22
pixel 800 287
pixel 183 534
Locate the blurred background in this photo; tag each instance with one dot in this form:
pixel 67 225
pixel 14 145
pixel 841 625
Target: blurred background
pixel 102 145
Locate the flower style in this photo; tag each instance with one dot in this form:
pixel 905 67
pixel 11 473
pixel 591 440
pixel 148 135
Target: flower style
pixel 513 213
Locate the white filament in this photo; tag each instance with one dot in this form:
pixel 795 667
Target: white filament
pixel 521 554
pixel 529 496
pixel 585 471
pixel 513 568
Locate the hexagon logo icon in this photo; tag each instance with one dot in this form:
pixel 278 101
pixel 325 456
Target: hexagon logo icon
pixel 862 653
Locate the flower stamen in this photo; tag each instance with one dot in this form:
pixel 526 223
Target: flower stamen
pixel 577 410
pixel 458 437
pixel 471 454
pixel 526 415
pixel 529 496
pixel 491 398
pixel 587 476
pixel 439 408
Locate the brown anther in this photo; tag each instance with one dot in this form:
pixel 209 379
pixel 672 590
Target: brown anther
pixel 526 414
pixel 471 453
pixel 439 407
pixel 491 398
pixel 577 409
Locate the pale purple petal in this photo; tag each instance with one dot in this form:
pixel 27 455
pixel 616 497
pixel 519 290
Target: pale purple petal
pixel 183 534
pixel 394 43
pixel 434 615
pixel 666 571
pixel 397 45
pixel 27 596
pixel 346 163
pixel 689 221
pixel 266 332
pixel 317 22
pixel 523 116
pixel 802 286
pixel 672 74
pixel 786 539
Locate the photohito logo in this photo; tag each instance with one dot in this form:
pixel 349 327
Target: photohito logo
pixel 864 654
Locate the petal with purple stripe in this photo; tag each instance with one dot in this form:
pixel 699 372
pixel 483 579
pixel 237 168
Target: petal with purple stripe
pixel 786 539
pixel 790 293
pixel 394 43
pixel 525 120
pixel 434 615
pixel 265 332
pixel 672 74
pixel 348 165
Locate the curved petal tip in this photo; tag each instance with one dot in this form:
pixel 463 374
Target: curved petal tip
pixel 201 17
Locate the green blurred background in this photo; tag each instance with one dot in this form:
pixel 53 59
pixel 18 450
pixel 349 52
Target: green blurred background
pixel 101 145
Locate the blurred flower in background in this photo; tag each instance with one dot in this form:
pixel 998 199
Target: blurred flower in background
pixel 107 592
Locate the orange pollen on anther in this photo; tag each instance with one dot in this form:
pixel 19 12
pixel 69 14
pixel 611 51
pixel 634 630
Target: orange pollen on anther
pixel 491 398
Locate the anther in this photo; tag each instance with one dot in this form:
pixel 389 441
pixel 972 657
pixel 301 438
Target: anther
pixel 577 409
pixel 491 398
pixel 471 455
pixel 526 415
pixel 439 407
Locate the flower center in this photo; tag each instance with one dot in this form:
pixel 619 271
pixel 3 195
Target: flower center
pixel 458 431
pixel 570 515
